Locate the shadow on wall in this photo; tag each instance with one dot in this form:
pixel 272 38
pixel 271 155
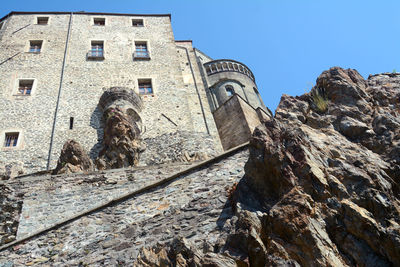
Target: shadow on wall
pixel 97 122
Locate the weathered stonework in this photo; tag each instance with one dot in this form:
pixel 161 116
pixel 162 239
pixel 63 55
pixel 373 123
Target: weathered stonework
pixel 198 198
pixel 67 84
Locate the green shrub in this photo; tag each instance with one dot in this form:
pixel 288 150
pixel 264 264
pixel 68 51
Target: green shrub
pixel 319 99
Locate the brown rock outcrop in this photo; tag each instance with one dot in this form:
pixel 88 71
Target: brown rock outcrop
pixel 321 185
pixel 11 170
pixel 328 181
pixel 73 158
pixel 122 144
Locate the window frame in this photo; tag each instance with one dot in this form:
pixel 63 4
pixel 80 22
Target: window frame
pixel 16 91
pixel 30 46
pixel 94 54
pixel 103 20
pixel 229 90
pixel 42 17
pixel 145 81
pixel 136 53
pixel 19 145
pixel 137 20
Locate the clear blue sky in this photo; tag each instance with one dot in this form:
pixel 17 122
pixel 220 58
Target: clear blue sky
pixel 287 44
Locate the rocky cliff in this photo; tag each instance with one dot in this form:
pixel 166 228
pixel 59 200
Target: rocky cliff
pixel 321 186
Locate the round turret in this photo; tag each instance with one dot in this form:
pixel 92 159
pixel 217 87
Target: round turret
pixel 228 77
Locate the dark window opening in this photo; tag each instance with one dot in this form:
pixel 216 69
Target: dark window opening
pixel 1 25
pixel 97 50
pixel 25 87
pixel 141 50
pixel 11 139
pixel 42 20
pixel 99 21
pixel 35 46
pixel 137 22
pixel 71 123
pixel 145 87
pixel 229 90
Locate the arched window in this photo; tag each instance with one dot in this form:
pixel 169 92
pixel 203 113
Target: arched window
pixel 229 90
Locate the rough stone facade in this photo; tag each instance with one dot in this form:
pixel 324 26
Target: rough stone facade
pixel 67 82
pixel 115 234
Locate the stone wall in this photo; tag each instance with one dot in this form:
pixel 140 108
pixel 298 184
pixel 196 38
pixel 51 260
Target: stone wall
pixel 236 121
pixel 197 200
pixel 31 115
pixel 179 146
pixel 173 106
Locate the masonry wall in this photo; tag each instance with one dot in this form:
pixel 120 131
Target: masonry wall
pixel 173 106
pixel 31 115
pixel 199 107
pixel 236 121
pixel 194 205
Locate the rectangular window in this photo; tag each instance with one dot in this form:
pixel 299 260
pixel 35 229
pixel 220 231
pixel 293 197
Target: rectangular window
pixel 25 87
pixel 141 51
pixel 42 20
pixel 99 21
pixel 11 139
pixel 1 25
pixel 35 46
pixel 97 50
pixel 145 87
pixel 137 22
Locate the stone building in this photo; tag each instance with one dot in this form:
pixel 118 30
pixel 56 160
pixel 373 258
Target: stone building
pixel 55 66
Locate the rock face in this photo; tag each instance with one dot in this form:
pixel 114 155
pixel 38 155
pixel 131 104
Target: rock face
pixel 321 185
pixel 122 144
pixel 328 181
pixel 73 158
pixel 9 171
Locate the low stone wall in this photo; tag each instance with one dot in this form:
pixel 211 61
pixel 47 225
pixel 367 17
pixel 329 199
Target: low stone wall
pixel 180 146
pixel 51 199
pixel 10 208
pixel 194 206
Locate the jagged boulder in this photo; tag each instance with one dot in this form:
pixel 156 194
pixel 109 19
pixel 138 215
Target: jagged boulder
pixel 11 170
pixel 328 181
pixel 122 145
pixel 73 158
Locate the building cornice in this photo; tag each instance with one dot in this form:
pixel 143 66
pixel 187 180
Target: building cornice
pixel 81 13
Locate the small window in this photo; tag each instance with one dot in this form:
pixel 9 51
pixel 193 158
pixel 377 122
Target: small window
pixel 1 25
pixel 71 123
pixel 229 90
pixel 11 139
pixel 42 20
pixel 137 23
pixel 141 51
pixel 97 50
pixel 35 46
pixel 25 87
pixel 99 21
pixel 145 87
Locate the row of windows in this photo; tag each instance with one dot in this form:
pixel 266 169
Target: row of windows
pixel 96 22
pixel 25 87
pixel 97 49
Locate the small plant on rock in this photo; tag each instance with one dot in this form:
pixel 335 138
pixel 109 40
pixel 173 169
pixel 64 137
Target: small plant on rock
pixel 319 100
